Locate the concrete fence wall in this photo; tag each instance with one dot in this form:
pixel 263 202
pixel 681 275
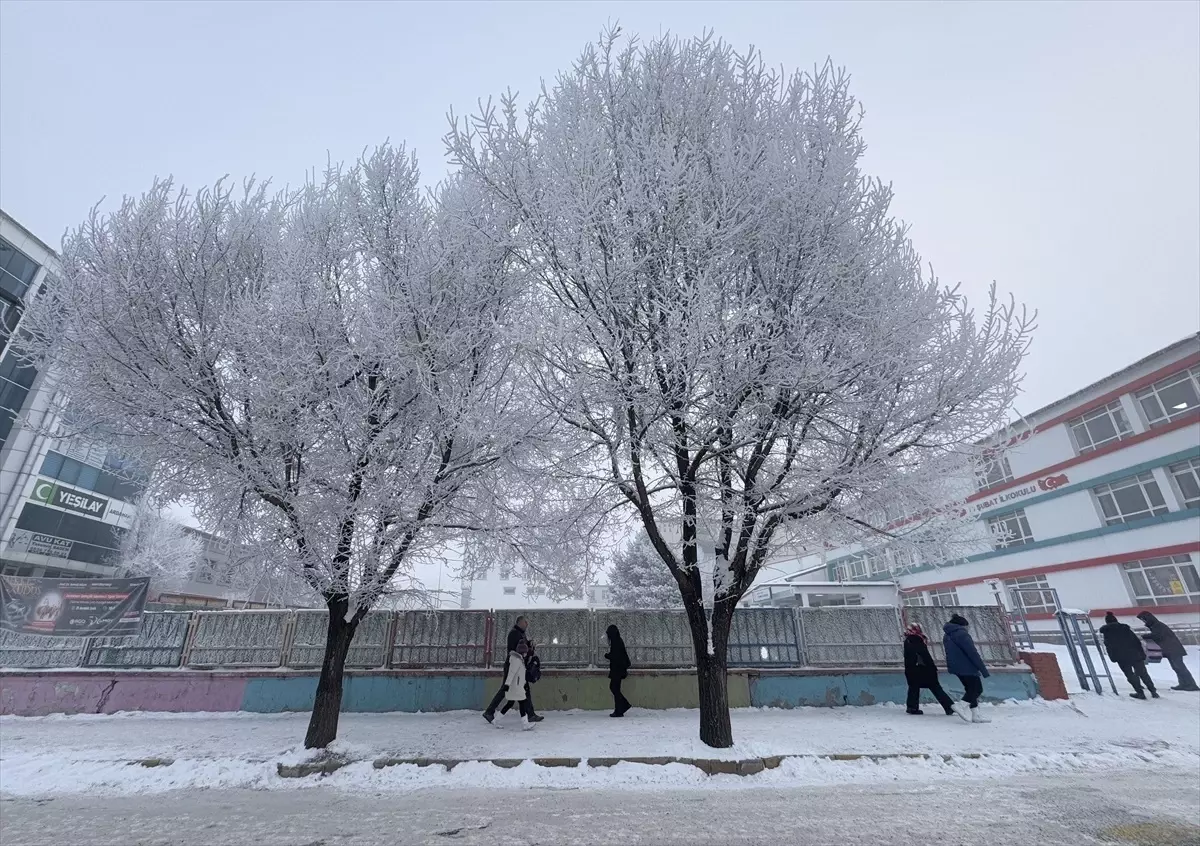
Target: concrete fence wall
pixel 760 638
pixel 106 691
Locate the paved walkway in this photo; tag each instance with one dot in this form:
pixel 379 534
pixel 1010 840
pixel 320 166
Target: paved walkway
pixel 1119 809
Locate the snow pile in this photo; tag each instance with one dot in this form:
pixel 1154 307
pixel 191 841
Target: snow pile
pixel 105 754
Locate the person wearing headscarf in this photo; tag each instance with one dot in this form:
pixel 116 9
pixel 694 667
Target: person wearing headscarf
pixel 921 673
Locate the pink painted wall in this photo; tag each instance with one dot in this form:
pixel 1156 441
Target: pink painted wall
pixel 37 695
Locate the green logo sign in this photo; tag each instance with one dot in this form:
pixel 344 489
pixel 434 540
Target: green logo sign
pixel 68 498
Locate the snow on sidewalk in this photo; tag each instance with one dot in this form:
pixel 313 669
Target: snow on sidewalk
pixel 45 755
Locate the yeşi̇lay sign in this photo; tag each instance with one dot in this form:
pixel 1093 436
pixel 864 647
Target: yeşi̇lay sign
pixel 69 498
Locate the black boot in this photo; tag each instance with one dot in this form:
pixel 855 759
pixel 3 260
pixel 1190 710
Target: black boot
pixel 915 711
pixel 1138 695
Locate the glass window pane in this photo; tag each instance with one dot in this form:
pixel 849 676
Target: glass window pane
pixel 1108 506
pixel 1190 580
pixel 52 465
pixel 1155 495
pixel 1130 500
pixel 1140 588
pixel 1179 398
pixel 1101 429
pixel 1081 436
pixel 88 476
pixel 70 471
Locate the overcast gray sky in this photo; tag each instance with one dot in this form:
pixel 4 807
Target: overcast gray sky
pixel 1051 147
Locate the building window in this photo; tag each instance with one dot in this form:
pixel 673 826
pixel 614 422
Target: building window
pixel 912 598
pixel 16 272
pixel 1187 479
pixel 995 471
pixel 1170 580
pixel 830 600
pixel 1170 398
pixel 1032 593
pixel 863 565
pixel 943 596
pixel 1130 499
pixel 1099 427
pixel 510 591
pixel 1011 529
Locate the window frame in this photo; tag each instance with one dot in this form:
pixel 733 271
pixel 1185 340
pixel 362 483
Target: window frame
pixel 1191 587
pixel 936 597
pixel 1189 467
pixel 1022 538
pixel 1110 410
pixel 1190 375
pixel 1038 582
pixel 1142 481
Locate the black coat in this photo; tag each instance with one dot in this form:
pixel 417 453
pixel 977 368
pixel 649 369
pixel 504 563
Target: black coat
pixel 1161 634
pixel 919 668
pixel 514 637
pixel 1122 645
pixel 618 657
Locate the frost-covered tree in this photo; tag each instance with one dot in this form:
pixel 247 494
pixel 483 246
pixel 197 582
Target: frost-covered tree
pixel 326 374
pixel 157 547
pixel 740 336
pixel 638 579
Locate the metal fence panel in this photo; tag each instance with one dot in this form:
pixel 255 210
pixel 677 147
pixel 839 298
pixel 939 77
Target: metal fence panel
pixel 22 650
pixel 440 639
pixel 369 648
pixel 842 636
pixel 238 638
pixel 564 638
pixel 988 627
pixel 159 644
pixel 653 638
pixel 761 637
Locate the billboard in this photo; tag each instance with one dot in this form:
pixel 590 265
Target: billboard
pixel 72 607
pixel 70 499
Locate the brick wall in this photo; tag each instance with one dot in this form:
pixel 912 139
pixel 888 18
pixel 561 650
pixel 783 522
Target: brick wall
pixel 1046 671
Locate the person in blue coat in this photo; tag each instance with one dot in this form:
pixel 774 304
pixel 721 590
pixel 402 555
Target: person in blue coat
pixel 963 660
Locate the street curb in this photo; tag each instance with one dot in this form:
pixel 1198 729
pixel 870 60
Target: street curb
pixel 709 766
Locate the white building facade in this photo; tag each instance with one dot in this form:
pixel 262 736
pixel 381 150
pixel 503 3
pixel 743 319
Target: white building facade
pixel 497 590
pixel 1096 498
pixel 65 503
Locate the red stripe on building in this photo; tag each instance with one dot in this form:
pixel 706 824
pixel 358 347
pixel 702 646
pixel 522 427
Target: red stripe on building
pixel 1120 558
pixel 1186 420
pixel 1131 611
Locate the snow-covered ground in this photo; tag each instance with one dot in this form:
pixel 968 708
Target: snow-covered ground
pixel 1162 674
pixel 61 754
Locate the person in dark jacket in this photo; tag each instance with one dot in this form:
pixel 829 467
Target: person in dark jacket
pixel 964 661
pixel 515 636
pixel 921 672
pixel 1124 649
pixel 618 669
pixel 1172 650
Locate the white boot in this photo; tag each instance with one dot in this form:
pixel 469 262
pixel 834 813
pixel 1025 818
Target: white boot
pixel 962 713
pixel 978 717
pixel 525 724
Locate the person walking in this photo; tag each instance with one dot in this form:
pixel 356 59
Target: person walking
pixel 921 672
pixel 1172 650
pixel 963 660
pixel 515 637
pixel 1124 649
pixel 516 689
pixel 618 669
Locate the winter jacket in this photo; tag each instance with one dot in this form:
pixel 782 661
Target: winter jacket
pixel 1122 645
pixel 618 657
pixel 515 680
pixel 919 668
pixel 515 636
pixel 1161 634
pixel 962 658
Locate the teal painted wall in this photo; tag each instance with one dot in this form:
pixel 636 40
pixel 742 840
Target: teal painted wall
pixel 30 694
pixel 872 688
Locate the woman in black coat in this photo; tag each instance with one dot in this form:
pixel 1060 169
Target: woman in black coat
pixel 618 669
pixel 921 672
pixel 1172 650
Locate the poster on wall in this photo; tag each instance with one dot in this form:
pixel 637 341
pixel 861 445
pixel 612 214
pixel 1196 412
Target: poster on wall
pixel 72 607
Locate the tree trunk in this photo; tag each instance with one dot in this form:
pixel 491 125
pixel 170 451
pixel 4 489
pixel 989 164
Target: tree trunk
pixel 712 674
pixel 327 707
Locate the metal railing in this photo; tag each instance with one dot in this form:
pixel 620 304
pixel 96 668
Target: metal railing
pixel 759 637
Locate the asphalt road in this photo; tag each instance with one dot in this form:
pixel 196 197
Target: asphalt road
pixel 1162 809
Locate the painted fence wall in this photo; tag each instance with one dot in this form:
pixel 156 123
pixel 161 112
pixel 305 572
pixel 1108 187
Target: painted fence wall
pixel 34 693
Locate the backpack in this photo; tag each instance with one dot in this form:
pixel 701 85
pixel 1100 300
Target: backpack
pixel 533 669
pixel 1153 651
